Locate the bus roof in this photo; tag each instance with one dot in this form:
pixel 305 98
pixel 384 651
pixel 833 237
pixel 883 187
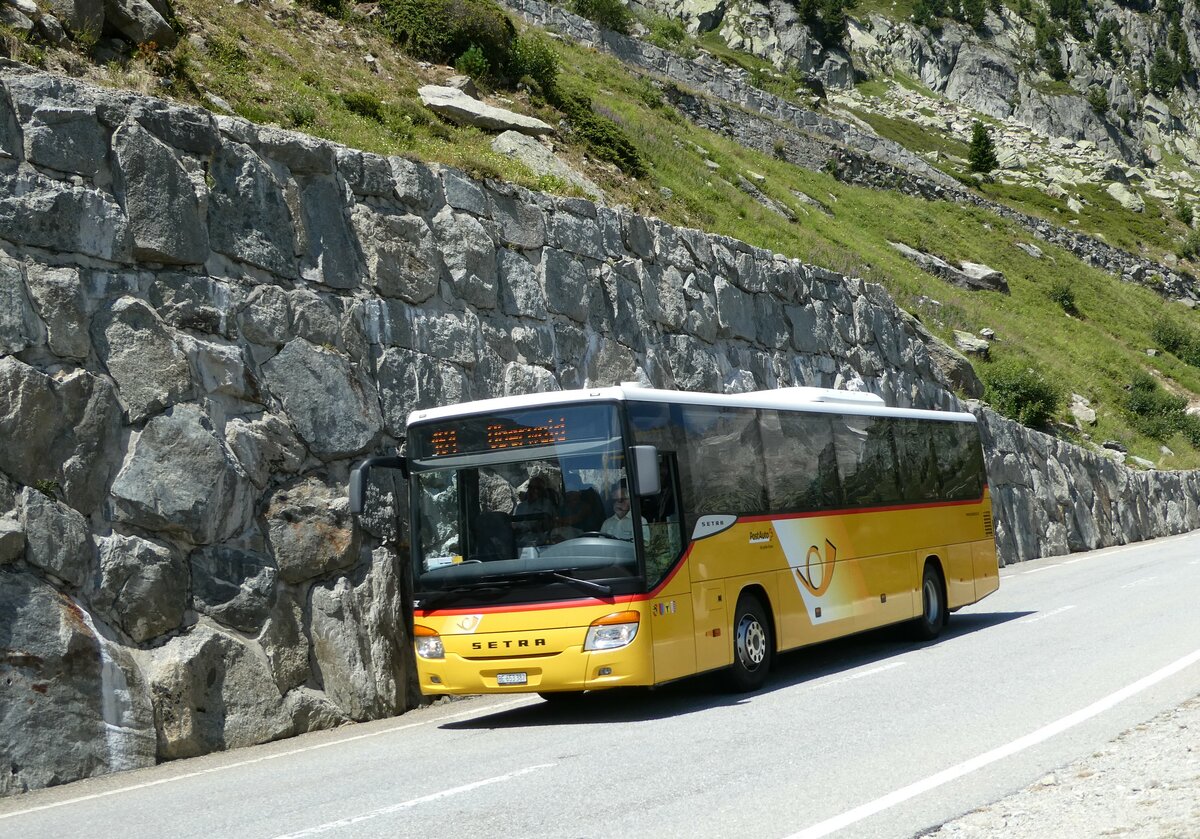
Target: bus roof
pixel 816 399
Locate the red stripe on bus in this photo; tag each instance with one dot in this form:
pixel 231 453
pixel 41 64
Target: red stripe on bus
pixel 562 604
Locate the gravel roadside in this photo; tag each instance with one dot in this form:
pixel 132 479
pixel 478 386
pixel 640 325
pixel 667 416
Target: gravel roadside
pixel 1143 784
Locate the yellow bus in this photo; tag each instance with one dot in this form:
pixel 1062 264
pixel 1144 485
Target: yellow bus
pixel 619 536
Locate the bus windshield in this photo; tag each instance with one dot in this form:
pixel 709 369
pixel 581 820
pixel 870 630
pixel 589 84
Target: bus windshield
pixel 516 507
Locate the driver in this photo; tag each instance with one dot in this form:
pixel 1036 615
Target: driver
pixel 620 524
pixel 582 513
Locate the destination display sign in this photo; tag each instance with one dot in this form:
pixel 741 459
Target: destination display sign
pixel 516 430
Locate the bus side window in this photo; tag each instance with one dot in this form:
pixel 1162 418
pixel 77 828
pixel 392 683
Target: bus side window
pixel 917 444
pixel 801 466
pixel 960 461
pixel 866 460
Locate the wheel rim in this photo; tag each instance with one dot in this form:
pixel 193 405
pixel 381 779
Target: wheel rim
pixel 751 642
pixel 933 602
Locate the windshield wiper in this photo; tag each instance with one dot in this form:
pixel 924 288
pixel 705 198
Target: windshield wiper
pixel 587 585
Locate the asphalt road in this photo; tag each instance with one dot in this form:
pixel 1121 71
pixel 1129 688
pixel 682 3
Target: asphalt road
pixel 868 737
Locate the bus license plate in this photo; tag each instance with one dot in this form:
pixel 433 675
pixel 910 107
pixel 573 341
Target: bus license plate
pixel 511 679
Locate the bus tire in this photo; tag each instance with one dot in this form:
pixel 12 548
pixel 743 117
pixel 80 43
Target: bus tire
pixel 752 645
pixel 933 606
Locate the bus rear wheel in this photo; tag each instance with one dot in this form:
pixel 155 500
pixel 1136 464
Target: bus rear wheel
pixel 933 606
pixel 752 646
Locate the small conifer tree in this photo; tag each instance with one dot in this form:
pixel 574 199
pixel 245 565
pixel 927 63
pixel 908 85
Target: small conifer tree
pixel 981 156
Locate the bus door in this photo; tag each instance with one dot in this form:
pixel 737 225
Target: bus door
pixel 670 609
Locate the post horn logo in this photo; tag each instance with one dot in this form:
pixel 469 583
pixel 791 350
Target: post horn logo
pixel 817 573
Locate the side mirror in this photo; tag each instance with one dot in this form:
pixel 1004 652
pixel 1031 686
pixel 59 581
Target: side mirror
pixel 361 472
pixel 645 471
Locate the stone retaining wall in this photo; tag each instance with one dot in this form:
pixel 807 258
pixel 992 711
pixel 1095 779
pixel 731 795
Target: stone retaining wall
pixel 205 323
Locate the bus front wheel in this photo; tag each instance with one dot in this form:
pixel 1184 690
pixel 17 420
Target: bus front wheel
pixel 933 606
pixel 752 645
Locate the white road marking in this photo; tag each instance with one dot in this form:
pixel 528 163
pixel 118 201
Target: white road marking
pixel 1043 615
pixel 861 675
pixel 1141 581
pixel 1096 554
pixel 953 773
pixel 405 805
pixel 215 769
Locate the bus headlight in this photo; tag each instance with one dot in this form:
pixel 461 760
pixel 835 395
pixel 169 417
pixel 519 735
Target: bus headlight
pixel 612 631
pixel 429 643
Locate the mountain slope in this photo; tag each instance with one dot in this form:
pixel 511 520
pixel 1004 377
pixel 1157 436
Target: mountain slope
pixel 1088 331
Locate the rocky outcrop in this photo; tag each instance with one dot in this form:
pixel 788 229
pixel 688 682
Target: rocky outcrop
pixel 457 106
pixel 58 21
pixel 178 569
pixel 969 275
pixel 723 100
pixel 725 84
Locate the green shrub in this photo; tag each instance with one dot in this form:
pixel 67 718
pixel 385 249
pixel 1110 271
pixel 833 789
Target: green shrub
pixel 1063 294
pixel 1183 211
pixel 226 52
pixel 611 14
pixel 473 63
pixel 604 136
pixel 299 113
pixel 442 30
pixel 670 34
pixel 332 8
pixel 1152 410
pixel 364 104
pixel 48 487
pixel 532 56
pixel 1189 248
pixel 1020 392
pixel 1177 339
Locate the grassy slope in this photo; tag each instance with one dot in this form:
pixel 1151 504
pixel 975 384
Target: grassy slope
pixel 297 67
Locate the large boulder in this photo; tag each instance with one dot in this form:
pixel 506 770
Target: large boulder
pixel 160 199
pixel 150 368
pixel 361 655
pixel 310 531
pixel 18 323
pixel 401 254
pixel 74 705
pixel 180 479
pixel 470 257
pixel 541 161
pixel 329 404
pixel 983 79
pixel 141 22
pixel 456 106
pixel 81 17
pixel 58 539
pixel 233 586
pixel 47 213
pixel 69 428
pixel 141 584
pixel 213 692
pixel 60 301
pixel 248 215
